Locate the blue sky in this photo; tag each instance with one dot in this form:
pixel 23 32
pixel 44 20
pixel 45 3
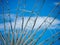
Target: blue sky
pixel 44 11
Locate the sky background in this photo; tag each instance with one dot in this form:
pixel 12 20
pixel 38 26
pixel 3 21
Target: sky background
pixel 43 13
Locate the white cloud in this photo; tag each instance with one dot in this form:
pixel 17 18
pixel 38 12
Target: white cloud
pixel 31 22
pixel 56 3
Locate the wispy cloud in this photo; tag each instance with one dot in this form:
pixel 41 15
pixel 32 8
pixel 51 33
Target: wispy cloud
pixel 56 3
pixel 31 22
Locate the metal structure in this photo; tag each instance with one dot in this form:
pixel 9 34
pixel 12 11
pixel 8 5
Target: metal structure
pixel 21 40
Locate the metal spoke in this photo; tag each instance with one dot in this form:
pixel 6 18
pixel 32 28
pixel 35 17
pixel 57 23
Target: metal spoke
pixel 49 38
pixel 41 24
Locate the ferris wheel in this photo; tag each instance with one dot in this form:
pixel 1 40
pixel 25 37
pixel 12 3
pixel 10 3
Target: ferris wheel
pixel 23 25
